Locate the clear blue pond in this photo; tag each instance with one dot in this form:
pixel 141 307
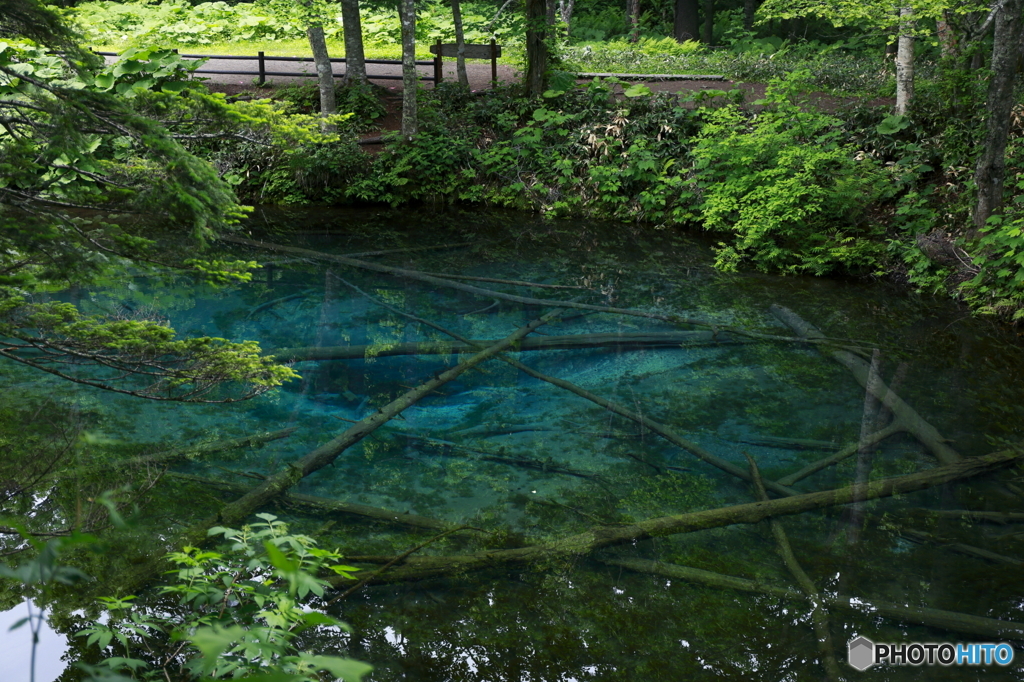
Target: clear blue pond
pixel 529 461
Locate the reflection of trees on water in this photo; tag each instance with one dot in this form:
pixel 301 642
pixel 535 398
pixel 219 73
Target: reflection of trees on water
pixel 581 558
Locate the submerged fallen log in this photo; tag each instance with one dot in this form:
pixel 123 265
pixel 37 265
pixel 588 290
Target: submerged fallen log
pixel 969 515
pixel 615 408
pixel 848 451
pixel 964 623
pixel 959 547
pixel 617 341
pixel 188 452
pixel 908 418
pixel 420 568
pixel 444 448
pixel 235 513
pixel 819 617
pixel 324 505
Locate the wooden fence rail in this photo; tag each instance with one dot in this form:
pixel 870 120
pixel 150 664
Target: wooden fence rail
pixel 261 71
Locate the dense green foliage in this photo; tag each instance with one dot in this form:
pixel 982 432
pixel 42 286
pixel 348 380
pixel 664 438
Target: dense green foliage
pixel 239 613
pixel 78 135
pixel 180 23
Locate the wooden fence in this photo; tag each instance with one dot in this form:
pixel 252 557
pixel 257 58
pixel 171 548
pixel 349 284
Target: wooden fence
pixel 261 71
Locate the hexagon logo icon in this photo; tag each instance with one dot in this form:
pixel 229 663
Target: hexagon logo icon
pixel 861 653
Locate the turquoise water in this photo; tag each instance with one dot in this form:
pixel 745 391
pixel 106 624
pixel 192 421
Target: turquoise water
pixel 526 460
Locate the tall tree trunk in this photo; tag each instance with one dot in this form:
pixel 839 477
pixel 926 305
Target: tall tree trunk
pixel 990 172
pixel 708 32
pixel 324 72
pixel 687 21
pixel 905 62
pixel 565 11
pixel 460 43
pixel 633 14
pixel 355 60
pixel 535 80
pixel 410 79
pixel 749 8
pixel 947 37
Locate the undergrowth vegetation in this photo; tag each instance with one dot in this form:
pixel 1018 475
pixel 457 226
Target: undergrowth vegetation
pixel 784 186
pixel 268 22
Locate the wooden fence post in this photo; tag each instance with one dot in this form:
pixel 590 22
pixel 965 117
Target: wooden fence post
pixel 494 64
pixel 437 64
pixel 263 69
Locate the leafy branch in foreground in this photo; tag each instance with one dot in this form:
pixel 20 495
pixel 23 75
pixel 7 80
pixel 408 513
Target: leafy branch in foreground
pixel 133 356
pixel 243 613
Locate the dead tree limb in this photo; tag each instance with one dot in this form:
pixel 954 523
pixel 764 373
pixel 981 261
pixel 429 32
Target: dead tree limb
pixel 819 618
pixel 527 300
pixel 420 568
pixel 848 451
pixel 615 408
pixel 548 466
pixel 953 621
pixel 959 547
pixel 235 513
pixel 907 416
pixel 1002 518
pixel 656 427
pixel 324 505
pixel 619 341
pixel 188 452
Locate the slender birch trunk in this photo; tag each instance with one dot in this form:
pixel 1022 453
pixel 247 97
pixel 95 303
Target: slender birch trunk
pixel 565 11
pixel 355 58
pixel 905 62
pixel 410 80
pixel 324 72
pixel 460 43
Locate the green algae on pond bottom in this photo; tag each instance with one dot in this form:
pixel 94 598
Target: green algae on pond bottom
pixel 528 462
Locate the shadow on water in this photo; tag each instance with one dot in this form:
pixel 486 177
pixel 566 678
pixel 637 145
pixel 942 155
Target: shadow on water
pixel 528 462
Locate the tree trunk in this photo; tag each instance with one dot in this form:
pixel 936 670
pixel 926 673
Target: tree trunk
pixel 460 42
pixel 990 172
pixel 535 79
pixel 708 30
pixel 324 72
pixel 687 22
pixel 355 60
pixel 905 62
pixel 619 342
pixel 749 8
pixel 410 79
pixel 948 44
pixel 633 17
pixel 565 11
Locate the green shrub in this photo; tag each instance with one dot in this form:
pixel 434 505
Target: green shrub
pixel 787 186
